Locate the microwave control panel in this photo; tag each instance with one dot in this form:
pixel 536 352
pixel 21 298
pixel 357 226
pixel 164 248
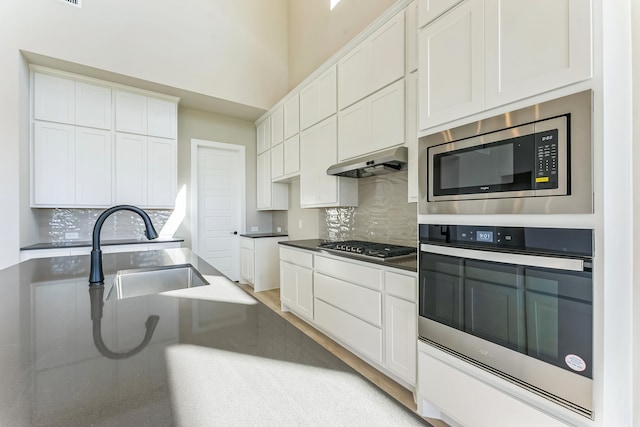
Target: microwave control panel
pixel 546 160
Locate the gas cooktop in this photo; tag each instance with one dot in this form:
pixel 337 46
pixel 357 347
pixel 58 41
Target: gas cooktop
pixel 380 251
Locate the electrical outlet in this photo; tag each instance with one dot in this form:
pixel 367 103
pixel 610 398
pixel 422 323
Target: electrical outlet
pixel 254 228
pixel 71 236
pixel 279 229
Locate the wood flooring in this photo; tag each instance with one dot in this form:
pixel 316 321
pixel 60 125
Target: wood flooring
pixel 271 299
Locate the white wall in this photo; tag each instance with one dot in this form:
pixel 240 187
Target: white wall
pixel 234 51
pixel 316 32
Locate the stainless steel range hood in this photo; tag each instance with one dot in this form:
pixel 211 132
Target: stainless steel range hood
pixel 379 163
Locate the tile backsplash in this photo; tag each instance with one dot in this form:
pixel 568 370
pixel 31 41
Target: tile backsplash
pixel 383 213
pixel 65 225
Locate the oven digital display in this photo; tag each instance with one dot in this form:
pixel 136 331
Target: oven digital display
pixel 484 236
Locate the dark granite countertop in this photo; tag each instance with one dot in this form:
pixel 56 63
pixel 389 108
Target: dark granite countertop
pixel 215 357
pixel 85 243
pixel 409 263
pixel 261 235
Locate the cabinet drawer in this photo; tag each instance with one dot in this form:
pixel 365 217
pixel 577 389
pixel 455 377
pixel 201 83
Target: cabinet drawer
pixel 247 244
pixel 353 331
pixel 369 277
pixel 361 302
pixel 400 285
pixel 301 258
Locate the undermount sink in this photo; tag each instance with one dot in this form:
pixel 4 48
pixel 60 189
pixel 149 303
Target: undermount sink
pixel 148 281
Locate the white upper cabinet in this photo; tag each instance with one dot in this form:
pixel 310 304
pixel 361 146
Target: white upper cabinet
pixel 161 172
pixel 451 66
pixel 375 123
pixel 292 156
pixel 318 151
pixel 136 113
pixel 54 99
pixel 53 164
pixel 524 58
pixel 374 63
pixel 270 196
pixel 482 54
pixel 318 99
pixel 263 130
pixel 277 126
pixel 131 169
pixel 277 161
pixel 110 143
pixel 131 112
pixel 63 100
pixel 429 10
pixel 93 106
pixel 162 118
pixel 292 116
pixel 94 154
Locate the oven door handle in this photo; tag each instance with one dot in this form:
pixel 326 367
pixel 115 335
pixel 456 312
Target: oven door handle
pixel 570 264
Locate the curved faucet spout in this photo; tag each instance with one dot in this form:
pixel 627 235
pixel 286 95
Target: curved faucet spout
pixel 96 277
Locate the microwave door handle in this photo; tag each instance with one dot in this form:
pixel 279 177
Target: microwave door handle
pixel 569 264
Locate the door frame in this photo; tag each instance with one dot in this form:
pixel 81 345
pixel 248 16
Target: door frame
pixel 201 143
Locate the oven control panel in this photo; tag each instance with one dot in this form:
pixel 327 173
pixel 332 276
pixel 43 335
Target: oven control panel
pixel 566 241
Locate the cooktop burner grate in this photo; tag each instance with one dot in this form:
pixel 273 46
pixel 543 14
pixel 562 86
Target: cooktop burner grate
pixel 369 249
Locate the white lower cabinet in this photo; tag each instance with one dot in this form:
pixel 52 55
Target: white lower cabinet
pixel 259 262
pixel 448 393
pixel 371 309
pixel 296 281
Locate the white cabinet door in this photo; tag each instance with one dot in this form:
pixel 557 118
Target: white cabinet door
pixel 161 172
pixel 292 116
pixel 263 130
pixel 318 151
pixel 131 169
pixel 247 265
pixel 292 156
pixel 387 117
pixel 288 284
pixel 277 126
pixel 263 176
pixel 162 118
pixel 400 337
pixel 387 53
pixel 131 112
pixel 296 288
pixel 277 161
pixel 524 58
pixel 429 10
pixel 318 99
pixel 353 75
pixel 54 99
pixel 373 64
pixel 451 66
pixel 53 164
pixel 93 106
pixel 354 130
pixel 375 123
pixel 94 152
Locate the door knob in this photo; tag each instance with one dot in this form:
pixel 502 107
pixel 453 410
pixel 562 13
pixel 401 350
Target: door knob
pixel 235 232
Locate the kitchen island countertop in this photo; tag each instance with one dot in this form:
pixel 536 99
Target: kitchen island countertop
pixel 216 356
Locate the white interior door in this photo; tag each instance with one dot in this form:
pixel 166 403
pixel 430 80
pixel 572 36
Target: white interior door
pixel 219 191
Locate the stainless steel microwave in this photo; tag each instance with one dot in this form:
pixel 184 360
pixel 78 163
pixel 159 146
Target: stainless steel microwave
pixel 533 160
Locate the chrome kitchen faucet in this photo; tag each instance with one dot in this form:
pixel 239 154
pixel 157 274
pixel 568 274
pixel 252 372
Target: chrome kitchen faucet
pixel 96 277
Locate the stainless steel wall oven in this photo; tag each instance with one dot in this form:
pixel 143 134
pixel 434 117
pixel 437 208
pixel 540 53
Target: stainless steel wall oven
pixel 532 160
pixel 515 301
